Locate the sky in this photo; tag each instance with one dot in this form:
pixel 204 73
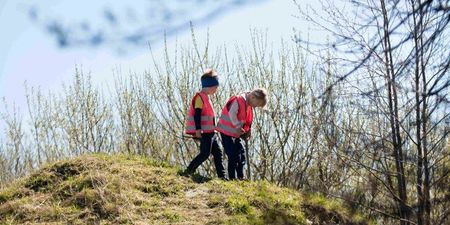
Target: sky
pixel 33 49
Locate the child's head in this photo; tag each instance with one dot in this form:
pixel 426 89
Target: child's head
pixel 210 81
pixel 258 97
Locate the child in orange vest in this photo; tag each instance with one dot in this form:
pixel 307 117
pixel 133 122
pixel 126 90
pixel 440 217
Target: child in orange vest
pixel 201 124
pixel 235 124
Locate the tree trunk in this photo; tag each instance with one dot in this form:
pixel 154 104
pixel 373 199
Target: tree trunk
pixel 419 171
pixel 394 121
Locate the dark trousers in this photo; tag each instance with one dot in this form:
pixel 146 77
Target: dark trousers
pixel 208 146
pixel 236 156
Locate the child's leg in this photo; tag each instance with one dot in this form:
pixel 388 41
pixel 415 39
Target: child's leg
pixel 205 151
pixel 228 145
pixel 240 151
pixel 218 158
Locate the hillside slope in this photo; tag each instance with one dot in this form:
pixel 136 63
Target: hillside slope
pixel 123 189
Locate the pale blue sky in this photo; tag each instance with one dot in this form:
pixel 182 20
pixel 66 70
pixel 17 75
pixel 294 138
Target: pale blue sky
pixel 30 53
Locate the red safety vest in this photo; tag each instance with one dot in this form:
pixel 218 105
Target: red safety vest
pixel 244 115
pixel 207 117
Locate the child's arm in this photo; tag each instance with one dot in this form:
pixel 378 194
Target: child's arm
pixel 198 118
pixel 234 108
pixel 198 106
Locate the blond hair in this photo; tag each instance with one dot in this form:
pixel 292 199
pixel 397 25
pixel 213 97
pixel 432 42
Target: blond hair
pixel 209 73
pixel 260 94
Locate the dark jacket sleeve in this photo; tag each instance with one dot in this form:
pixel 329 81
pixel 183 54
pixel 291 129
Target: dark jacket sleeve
pixel 198 119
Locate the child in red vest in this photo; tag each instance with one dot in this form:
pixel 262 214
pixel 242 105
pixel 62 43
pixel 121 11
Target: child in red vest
pixel 235 124
pixel 201 124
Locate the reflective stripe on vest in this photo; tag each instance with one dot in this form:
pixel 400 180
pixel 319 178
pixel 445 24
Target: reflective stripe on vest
pixel 225 117
pixel 228 130
pixel 204 127
pixel 203 118
pixel 244 116
pixel 207 116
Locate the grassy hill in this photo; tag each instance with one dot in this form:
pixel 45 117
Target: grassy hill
pixel 124 189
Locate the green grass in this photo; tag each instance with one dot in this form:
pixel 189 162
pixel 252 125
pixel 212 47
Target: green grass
pixel 258 202
pixel 130 189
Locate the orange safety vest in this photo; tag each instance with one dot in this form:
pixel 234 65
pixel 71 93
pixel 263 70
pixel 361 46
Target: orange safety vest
pixel 244 115
pixel 207 117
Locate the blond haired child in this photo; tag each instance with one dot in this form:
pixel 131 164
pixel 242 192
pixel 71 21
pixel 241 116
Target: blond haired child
pixel 235 124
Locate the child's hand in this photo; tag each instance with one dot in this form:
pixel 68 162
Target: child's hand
pixel 198 134
pixel 241 132
pixel 247 136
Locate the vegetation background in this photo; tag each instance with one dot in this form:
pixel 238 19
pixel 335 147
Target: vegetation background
pixel 365 120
